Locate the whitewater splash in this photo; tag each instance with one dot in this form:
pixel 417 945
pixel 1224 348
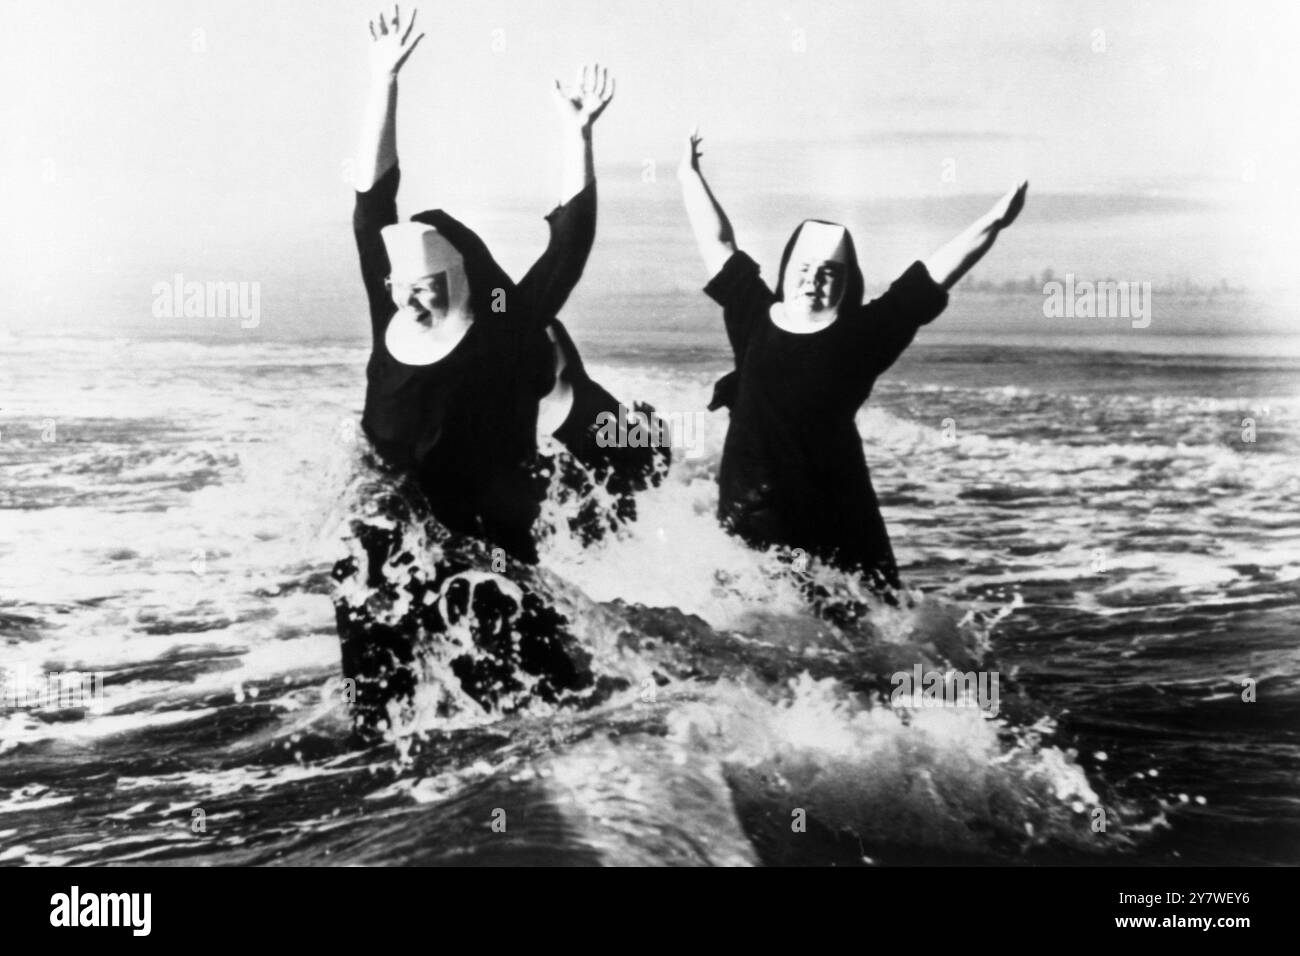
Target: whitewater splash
pixel 746 716
pixel 734 696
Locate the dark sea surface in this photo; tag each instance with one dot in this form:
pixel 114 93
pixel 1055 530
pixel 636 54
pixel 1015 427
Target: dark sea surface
pixel 1092 523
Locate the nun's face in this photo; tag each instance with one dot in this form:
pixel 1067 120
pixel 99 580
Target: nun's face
pixel 814 286
pixel 425 299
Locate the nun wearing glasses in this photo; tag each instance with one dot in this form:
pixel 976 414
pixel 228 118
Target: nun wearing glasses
pixel 807 354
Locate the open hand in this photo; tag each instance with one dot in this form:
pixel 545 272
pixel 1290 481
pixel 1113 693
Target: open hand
pixel 691 157
pixel 584 101
pixel 391 45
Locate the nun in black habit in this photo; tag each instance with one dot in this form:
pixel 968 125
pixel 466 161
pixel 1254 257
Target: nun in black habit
pixel 807 355
pixel 462 357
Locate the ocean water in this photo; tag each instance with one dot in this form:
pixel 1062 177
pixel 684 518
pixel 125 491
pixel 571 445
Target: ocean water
pixel 1092 524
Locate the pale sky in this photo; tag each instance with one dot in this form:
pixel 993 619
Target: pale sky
pixel 142 138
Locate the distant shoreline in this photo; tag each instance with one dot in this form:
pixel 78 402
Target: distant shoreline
pixel 710 344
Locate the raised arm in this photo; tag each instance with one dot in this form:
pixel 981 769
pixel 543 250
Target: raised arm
pixel 712 229
pixel 377 175
pixel 956 258
pixel 554 275
pixel 391 44
pixel 580 106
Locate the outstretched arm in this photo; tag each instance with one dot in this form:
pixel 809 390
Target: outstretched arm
pixel 580 106
pixel 392 43
pixel 957 258
pixel 376 198
pixel 712 229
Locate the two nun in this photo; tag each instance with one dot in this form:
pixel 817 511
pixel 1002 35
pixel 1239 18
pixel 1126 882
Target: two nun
pixel 469 367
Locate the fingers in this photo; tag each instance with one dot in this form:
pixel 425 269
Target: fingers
pixel 409 27
pixel 384 22
pixel 691 159
pixel 602 85
pixel 605 91
pixel 594 80
pixel 409 50
pixel 592 91
pixel 389 23
pixel 693 141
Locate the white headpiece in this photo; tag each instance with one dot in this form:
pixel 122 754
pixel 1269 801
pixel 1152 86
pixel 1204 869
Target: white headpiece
pixel 821 242
pixel 416 250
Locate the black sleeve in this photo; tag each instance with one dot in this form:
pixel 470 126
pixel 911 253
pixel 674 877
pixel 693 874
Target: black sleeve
pixel 554 276
pixel 744 297
pixel 891 321
pixel 375 209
